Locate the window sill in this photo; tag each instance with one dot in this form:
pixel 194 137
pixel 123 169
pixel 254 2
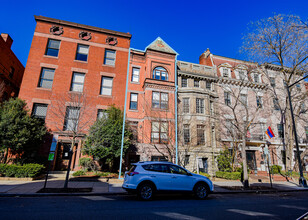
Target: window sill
pixel 159 109
pixel 75 92
pixel 113 66
pixel 133 110
pixel 105 96
pixel 135 82
pixel 47 56
pixel 80 61
pixel 41 88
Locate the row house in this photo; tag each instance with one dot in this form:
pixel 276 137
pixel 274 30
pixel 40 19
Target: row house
pixel 74 72
pixel 197 121
pixel 150 107
pixel 11 69
pixel 246 98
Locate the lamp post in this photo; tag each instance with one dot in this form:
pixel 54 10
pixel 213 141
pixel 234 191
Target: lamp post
pixel 302 180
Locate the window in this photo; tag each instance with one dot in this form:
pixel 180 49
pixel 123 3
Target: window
pixel 211 107
pixel 229 128
pixel 243 98
pixel 133 101
pixel 306 131
pixel 77 82
pixel 102 113
pixel 177 170
pixel 184 82
pixel 225 72
pixel 241 74
pixel 135 74
pixel 259 101
pixel 272 82
pixel 110 56
pixel 200 135
pixel 11 74
pixel 256 77
pixel 46 78
pixel 106 87
pixel 185 105
pixel 200 106
pixel 160 100
pixel 82 52
pixel 158 158
pixel 186 160
pixel 208 85
pixel 39 111
pixel 163 168
pixel 71 119
pixel 52 48
pixel 196 83
pixel 160 73
pixel 186 134
pixel 280 130
pixel 159 132
pixel 134 129
pixel 227 98
pixel 276 104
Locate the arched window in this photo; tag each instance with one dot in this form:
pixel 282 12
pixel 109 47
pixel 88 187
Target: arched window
pixel 160 73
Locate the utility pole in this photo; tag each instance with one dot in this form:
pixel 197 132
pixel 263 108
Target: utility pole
pixel 302 180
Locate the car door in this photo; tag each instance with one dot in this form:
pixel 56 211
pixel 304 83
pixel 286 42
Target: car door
pixel 181 180
pixel 159 174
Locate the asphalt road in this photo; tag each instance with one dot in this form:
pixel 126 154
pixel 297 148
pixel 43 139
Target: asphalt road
pixel 235 206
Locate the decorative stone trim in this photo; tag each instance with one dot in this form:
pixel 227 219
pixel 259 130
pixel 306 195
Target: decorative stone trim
pixel 84 35
pixel 113 41
pixel 48 65
pixel 56 30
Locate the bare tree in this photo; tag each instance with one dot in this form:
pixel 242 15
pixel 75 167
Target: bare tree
pixel 72 115
pixel 280 46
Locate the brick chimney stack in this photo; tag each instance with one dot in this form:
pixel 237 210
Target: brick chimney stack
pixel 7 39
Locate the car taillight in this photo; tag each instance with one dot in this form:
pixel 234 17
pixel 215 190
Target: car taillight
pixel 132 173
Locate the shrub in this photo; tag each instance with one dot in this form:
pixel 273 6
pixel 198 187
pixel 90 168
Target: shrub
pixel 228 175
pixel 87 164
pixel 276 169
pixel 79 173
pixel 27 170
pixel 205 174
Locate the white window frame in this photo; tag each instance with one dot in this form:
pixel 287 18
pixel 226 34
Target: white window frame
pixel 105 78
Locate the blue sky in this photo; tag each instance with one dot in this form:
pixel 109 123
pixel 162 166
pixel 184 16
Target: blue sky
pixel 189 27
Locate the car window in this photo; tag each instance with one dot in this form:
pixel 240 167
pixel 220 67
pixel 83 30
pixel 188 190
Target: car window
pixel 163 168
pixel 177 170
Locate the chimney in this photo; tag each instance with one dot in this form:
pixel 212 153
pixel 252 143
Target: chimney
pixel 7 39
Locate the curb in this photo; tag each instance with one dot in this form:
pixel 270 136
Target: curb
pixel 3 195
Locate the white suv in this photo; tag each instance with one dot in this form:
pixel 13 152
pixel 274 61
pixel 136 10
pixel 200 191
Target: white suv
pixel 146 178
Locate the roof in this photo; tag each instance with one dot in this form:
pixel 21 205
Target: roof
pixel 160 45
pixel 81 26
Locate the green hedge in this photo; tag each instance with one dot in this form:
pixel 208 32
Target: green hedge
pixel 228 175
pixel 79 173
pixel 276 169
pixel 21 171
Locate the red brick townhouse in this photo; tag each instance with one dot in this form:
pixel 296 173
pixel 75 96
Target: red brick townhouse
pixel 11 69
pixel 72 63
pixel 150 107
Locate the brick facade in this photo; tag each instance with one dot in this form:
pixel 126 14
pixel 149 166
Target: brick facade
pixel 11 69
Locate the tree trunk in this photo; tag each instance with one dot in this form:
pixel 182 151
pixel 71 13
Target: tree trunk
pixel 244 160
pixel 70 155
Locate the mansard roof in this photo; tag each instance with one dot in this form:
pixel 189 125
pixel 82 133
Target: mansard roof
pixel 160 45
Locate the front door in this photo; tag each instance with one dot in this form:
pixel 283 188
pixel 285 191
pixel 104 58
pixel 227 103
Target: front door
pixel 251 159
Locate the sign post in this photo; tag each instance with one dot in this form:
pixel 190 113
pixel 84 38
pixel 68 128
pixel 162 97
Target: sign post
pixel 51 155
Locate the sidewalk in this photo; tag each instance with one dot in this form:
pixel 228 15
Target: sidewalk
pixel 114 186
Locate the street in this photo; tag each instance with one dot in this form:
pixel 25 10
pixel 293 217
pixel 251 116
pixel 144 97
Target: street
pixel 217 206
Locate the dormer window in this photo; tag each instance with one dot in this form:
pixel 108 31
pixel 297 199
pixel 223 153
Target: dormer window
pixel 241 74
pixel 256 78
pixel 225 72
pixel 160 73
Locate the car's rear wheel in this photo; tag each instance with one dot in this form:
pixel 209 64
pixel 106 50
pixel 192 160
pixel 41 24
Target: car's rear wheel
pixel 146 191
pixel 201 191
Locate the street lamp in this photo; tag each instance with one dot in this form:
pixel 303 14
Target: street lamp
pixel 302 180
